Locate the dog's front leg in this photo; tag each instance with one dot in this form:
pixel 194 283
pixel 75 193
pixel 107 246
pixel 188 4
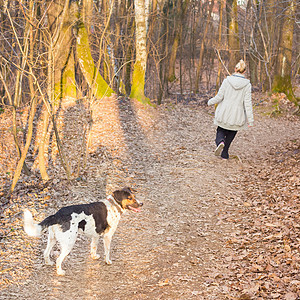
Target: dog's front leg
pixel 106 242
pixel 94 244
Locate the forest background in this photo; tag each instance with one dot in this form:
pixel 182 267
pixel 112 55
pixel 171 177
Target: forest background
pixel 97 95
pixel 52 52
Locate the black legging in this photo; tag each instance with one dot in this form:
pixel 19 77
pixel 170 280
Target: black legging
pixel 226 136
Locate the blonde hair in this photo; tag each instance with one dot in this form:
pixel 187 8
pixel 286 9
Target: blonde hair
pixel 240 66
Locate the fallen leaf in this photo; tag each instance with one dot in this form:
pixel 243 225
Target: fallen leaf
pixel 256 268
pixel 164 283
pixel 290 296
pixel 274 277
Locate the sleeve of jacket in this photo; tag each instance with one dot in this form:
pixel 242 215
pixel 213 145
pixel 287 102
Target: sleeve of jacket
pixel 220 95
pixel 248 105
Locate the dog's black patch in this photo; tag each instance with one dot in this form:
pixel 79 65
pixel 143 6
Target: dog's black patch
pixel 82 224
pixel 64 216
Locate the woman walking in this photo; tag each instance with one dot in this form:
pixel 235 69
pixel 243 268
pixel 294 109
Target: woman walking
pixel 234 108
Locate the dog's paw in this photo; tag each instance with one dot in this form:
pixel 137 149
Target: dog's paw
pixel 95 256
pixel 49 262
pixel 108 261
pixel 61 272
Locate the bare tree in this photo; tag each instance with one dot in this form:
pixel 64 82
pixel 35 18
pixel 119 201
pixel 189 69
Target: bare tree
pixel 282 79
pixel 233 33
pixel 138 76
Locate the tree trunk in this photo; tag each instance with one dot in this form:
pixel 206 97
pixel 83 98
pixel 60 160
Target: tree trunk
pixel 282 79
pixel 138 77
pixel 233 34
pixel 129 49
pixel 221 8
pixel 201 55
pixel 163 49
pixel 98 85
pixel 61 20
pixel 182 6
pixel 27 144
pixel 41 155
pixel 87 14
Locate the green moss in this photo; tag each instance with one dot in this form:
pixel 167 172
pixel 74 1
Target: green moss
pixel 138 84
pixel 68 81
pixel 66 87
pixel 96 82
pixel 172 78
pixel 57 92
pixel 284 85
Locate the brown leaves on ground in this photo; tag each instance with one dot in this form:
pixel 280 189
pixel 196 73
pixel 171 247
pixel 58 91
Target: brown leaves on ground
pixel 210 229
pixel 266 260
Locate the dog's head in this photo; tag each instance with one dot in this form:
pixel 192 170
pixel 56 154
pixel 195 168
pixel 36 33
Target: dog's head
pixel 126 199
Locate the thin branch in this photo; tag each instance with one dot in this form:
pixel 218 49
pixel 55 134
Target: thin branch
pixel 220 59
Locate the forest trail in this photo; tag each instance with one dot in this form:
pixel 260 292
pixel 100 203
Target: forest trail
pixel 178 247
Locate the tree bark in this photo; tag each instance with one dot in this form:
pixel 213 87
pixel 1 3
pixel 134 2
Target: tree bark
pixel 233 34
pixel 42 143
pixel 221 8
pixel 201 55
pixel 61 17
pixel 98 85
pixel 138 77
pixel 27 144
pixel 282 79
pixel 182 6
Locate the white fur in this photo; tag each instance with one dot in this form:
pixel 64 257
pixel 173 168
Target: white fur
pixel 30 227
pixel 66 239
pixel 66 236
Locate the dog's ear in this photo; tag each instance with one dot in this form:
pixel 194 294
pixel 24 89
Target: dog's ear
pixel 119 195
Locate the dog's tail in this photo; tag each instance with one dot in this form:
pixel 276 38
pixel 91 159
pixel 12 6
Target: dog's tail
pixel 30 226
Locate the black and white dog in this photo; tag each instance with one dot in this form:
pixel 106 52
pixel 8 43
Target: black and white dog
pixel 95 219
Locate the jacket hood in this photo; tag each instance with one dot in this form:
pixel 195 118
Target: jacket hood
pixel 238 81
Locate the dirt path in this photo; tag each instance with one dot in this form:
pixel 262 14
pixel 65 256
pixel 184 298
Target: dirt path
pixel 177 247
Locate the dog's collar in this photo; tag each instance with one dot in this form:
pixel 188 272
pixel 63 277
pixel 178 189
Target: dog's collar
pixel 113 201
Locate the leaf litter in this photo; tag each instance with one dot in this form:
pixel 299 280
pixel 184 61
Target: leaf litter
pixel 210 229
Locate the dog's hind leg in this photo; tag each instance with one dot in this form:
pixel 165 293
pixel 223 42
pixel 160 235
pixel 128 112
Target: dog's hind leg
pixel 64 252
pixel 66 240
pixel 51 243
pixel 94 243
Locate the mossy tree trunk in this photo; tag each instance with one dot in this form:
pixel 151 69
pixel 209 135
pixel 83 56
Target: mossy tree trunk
pixel 99 87
pixel 282 79
pixel 138 76
pixel 60 26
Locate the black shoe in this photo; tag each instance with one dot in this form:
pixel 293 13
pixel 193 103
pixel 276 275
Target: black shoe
pixel 224 155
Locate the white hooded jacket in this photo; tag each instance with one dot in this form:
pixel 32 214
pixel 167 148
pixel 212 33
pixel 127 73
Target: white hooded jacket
pixel 234 108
